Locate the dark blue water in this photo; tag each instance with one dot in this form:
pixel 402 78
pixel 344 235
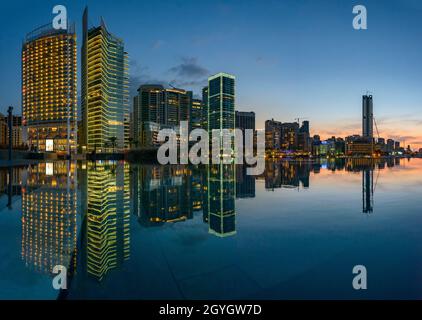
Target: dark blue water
pixel 129 231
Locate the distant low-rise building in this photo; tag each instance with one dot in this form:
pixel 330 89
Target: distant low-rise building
pixel 359 146
pixel 17 132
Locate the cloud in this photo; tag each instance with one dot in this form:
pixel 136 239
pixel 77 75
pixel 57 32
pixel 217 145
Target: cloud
pixel 188 84
pixel 189 68
pixel 188 75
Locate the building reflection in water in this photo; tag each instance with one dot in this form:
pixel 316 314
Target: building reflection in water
pixel 10 183
pixel 285 174
pixel 107 217
pixel 49 208
pixel 165 193
pixel 245 184
pixel 367 167
pixel 221 199
pixel 109 191
pixel 367 190
pixel 288 174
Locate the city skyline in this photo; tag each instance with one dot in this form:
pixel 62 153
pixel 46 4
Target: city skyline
pixel 300 76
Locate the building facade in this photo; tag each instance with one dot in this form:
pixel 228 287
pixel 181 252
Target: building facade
pixel 303 138
pixel 289 136
pixel 367 116
pixel 196 114
pixel 272 135
pixel 221 102
pixel 245 120
pixel 49 89
pixel 105 90
pixel 17 132
pixel 156 108
pixel 205 108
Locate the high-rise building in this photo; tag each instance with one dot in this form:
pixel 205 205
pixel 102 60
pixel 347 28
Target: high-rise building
pixel 196 114
pixel 49 89
pixel 205 108
pixel 155 108
pixel 147 114
pixel 245 120
pixel 272 135
pixel 303 137
pixel 289 135
pixel 176 106
pixel 390 145
pixel 367 116
pixel 221 102
pixel 105 90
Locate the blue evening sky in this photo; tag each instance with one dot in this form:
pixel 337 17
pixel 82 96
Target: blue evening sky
pixel 291 58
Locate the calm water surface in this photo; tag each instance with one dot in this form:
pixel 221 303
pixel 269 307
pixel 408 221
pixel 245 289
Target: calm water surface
pixel 132 231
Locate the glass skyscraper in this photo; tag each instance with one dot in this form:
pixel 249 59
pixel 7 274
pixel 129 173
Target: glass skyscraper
pixel 105 90
pixel 49 89
pixel 367 116
pixel 221 102
pixel 155 108
pixel 196 114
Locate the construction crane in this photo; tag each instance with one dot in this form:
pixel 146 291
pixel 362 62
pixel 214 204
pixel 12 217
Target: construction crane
pixel 298 119
pixel 376 127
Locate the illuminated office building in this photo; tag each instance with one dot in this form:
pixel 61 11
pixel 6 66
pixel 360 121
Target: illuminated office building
pixel 155 108
pixel 289 135
pixel 49 89
pixel 205 108
pixel 273 135
pixel 105 90
pixel 107 217
pixel 49 224
pixel 196 114
pixel 221 102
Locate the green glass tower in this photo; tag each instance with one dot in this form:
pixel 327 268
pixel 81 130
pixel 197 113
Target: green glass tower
pixel 221 102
